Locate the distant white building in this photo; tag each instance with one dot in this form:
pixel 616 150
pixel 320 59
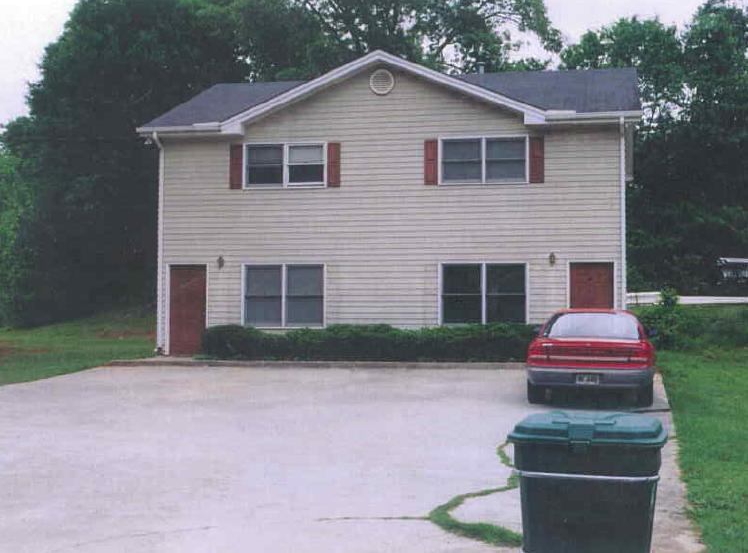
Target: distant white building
pixel 733 268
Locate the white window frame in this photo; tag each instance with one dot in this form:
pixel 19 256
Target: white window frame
pixel 483 138
pixel 286 146
pixel 483 264
pixel 284 272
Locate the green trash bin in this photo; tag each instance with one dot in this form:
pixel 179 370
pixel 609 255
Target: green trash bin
pixel 588 480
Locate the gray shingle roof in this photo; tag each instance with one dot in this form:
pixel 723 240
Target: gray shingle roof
pixel 220 102
pixel 584 91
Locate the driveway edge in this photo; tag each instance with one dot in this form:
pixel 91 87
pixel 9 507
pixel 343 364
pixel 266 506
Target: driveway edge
pixel 183 361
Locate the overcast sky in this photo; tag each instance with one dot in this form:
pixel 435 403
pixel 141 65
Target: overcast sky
pixel 27 26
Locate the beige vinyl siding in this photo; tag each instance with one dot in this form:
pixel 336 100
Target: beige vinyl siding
pixel 383 233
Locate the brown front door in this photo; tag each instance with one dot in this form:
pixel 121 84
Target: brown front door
pixel 591 285
pixel 186 309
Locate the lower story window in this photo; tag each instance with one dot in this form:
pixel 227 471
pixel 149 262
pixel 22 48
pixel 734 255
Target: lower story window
pixel 483 293
pixel 284 295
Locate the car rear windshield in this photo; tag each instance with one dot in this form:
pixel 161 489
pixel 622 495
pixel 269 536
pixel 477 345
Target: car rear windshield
pixel 594 325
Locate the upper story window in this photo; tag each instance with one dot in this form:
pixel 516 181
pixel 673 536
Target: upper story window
pixel 284 165
pixel 485 160
pixel 306 164
pixel 264 165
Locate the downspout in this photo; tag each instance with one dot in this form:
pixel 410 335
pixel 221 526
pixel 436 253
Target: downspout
pixel 160 298
pixel 622 130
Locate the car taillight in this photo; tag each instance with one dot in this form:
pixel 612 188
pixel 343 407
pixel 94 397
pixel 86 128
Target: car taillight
pixel 642 354
pixel 537 352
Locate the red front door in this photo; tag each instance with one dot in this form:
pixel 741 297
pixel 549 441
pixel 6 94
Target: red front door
pixel 186 309
pixel 591 285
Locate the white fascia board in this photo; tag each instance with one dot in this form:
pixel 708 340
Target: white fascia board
pixel 595 116
pixel 235 123
pixel 173 132
pixel 195 128
pixel 150 130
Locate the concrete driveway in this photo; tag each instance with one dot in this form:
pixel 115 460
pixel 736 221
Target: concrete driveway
pixel 197 459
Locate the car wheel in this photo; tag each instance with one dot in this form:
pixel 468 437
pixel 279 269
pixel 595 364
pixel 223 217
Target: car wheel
pixel 645 395
pixel 535 394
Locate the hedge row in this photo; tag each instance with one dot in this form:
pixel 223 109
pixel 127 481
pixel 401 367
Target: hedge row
pixel 495 342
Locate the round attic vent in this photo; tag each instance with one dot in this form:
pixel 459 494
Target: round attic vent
pixel 381 82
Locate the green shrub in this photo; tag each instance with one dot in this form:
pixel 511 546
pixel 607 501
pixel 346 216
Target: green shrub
pixel 695 327
pixel 476 342
pixel 666 318
pixel 495 342
pixel 233 341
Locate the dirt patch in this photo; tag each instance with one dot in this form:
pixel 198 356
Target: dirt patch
pixel 6 350
pixel 122 334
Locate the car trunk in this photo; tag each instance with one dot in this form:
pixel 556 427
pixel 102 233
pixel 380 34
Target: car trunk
pixel 590 352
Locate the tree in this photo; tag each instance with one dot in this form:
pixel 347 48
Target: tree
pixel 283 40
pixel 304 38
pixel 16 219
pixel 117 64
pixel 688 204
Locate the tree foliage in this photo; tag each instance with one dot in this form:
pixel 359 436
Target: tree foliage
pixel 16 220
pixel 304 38
pixel 688 204
pixel 117 64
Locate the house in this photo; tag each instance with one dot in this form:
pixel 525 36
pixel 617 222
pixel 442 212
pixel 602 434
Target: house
pixel 385 192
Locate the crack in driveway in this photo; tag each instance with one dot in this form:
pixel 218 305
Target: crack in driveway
pixel 132 535
pixel 441 516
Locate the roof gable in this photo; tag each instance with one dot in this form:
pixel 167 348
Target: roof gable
pixel 374 59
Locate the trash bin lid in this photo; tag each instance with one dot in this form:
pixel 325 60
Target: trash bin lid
pixel 590 427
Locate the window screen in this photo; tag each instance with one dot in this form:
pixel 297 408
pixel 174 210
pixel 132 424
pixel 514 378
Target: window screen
pixel 304 295
pixel 505 293
pixel 265 165
pixel 484 160
pixel 263 296
pixel 505 159
pixel 305 164
pixel 461 294
pixel 462 161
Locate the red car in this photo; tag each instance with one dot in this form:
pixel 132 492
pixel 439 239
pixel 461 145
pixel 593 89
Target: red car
pixel 591 348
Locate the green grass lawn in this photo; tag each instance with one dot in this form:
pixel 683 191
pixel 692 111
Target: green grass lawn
pixel 31 354
pixel 708 392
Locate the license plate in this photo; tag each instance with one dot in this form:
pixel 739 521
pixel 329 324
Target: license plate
pixel 588 379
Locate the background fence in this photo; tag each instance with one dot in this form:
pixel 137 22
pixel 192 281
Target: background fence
pixel 649 298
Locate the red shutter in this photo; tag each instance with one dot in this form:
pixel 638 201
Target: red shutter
pixel 333 164
pixel 236 166
pixel 537 159
pixel 430 162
